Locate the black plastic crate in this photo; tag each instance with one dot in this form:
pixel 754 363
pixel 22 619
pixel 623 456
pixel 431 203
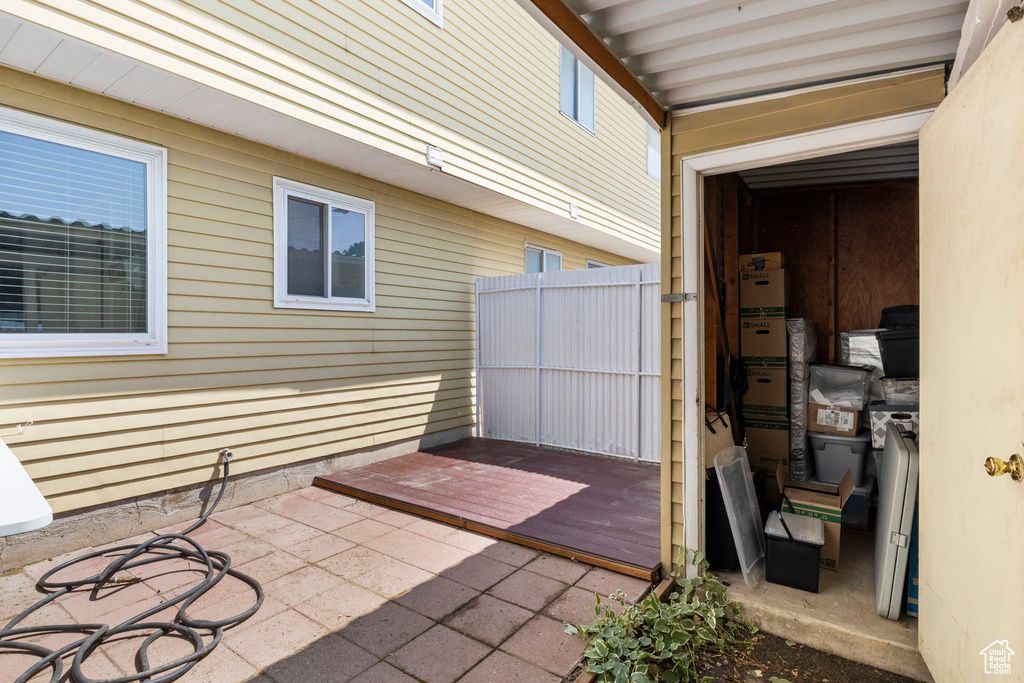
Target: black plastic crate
pixel 792 556
pixel 900 352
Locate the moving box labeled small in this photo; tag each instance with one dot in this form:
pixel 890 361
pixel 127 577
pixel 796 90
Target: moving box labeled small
pixel 765 260
pixel 822 501
pixel 763 342
pixel 767 443
pixel 766 394
pixel 764 294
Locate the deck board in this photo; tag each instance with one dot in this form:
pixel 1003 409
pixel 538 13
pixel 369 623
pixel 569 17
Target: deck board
pixel 600 510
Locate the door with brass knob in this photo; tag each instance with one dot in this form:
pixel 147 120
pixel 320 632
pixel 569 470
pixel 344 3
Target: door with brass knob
pixel 1015 467
pixel 971 292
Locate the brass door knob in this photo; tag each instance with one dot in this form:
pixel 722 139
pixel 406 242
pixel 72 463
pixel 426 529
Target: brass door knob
pixel 996 467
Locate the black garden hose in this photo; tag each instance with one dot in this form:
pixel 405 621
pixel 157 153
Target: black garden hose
pixel 163 548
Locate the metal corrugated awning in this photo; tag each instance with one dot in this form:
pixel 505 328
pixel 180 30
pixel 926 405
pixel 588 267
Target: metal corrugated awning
pixel 890 162
pixel 691 52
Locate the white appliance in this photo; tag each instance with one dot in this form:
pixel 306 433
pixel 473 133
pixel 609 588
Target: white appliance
pixel 897 497
pixel 22 506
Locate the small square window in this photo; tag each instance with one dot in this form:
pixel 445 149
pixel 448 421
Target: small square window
pixel 577 90
pixel 431 9
pixel 596 264
pixel 539 260
pixel 323 249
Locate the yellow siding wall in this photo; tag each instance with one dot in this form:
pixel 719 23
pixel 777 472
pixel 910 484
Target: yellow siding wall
pixel 485 88
pixel 277 386
pixel 743 124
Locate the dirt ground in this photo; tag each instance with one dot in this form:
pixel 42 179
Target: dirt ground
pixel 789 661
pixel 775 660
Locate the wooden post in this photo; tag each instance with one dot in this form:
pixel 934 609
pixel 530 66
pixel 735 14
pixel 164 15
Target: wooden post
pixel 833 280
pixel 712 200
pixel 731 262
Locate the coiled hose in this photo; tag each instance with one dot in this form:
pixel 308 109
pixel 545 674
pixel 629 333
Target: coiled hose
pixel 163 548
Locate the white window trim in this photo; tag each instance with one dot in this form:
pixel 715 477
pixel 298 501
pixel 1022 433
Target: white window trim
pixel 284 188
pixel 154 341
pixel 543 256
pixel 576 91
pixel 598 264
pixel 434 15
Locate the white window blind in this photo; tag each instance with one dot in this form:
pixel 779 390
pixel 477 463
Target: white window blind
pixel 81 241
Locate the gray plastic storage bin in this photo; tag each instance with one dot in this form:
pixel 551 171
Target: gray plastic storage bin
pixel 834 455
pixel 838 385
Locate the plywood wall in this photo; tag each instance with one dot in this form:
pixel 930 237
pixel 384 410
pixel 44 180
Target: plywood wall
pixel 850 250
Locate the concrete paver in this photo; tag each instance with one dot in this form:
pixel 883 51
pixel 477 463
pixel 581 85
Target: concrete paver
pixel 354 593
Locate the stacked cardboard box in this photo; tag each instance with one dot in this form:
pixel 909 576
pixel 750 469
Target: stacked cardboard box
pixel 764 305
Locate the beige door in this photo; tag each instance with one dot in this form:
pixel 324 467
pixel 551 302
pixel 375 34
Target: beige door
pixel 972 370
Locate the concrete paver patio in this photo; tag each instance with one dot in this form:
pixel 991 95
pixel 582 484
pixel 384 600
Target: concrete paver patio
pixel 355 592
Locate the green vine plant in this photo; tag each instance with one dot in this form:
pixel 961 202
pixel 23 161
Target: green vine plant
pixel 663 642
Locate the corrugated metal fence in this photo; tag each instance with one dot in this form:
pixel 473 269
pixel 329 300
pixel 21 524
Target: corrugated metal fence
pixel 571 359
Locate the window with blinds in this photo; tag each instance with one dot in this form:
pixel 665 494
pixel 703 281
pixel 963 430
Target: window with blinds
pixel 75 239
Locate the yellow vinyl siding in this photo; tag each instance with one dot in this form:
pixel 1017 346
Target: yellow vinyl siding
pixel 277 386
pixel 484 88
pixel 744 124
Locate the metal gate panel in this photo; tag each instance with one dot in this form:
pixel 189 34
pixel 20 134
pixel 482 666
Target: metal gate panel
pixel 571 359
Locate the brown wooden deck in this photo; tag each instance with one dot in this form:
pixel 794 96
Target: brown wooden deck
pixel 598 510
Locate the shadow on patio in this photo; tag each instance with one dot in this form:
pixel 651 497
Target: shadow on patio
pixel 355 592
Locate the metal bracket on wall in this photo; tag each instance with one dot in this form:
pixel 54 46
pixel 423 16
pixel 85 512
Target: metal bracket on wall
pixel 674 298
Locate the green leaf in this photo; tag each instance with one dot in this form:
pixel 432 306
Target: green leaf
pixel 776 679
pixel 571 630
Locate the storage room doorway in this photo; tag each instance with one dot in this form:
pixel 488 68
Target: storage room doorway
pixel 835 245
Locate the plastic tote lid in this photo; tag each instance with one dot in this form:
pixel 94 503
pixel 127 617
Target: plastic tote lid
pixel 742 510
pixel 804 529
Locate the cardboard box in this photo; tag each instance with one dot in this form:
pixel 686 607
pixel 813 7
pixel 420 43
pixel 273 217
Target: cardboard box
pixel 765 260
pixel 763 342
pixel 767 393
pixel 818 500
pixel 767 444
pixel 832 419
pixel 764 294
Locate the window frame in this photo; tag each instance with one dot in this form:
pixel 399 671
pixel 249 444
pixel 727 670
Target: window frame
pixel 285 188
pixel 544 251
pixel 154 340
pixel 576 86
pixel 591 263
pixel 435 16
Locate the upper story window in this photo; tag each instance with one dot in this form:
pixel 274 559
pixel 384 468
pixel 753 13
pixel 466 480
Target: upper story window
pixel 323 249
pixel 431 9
pixel 82 241
pixel 653 153
pixel 540 260
pixel 577 91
